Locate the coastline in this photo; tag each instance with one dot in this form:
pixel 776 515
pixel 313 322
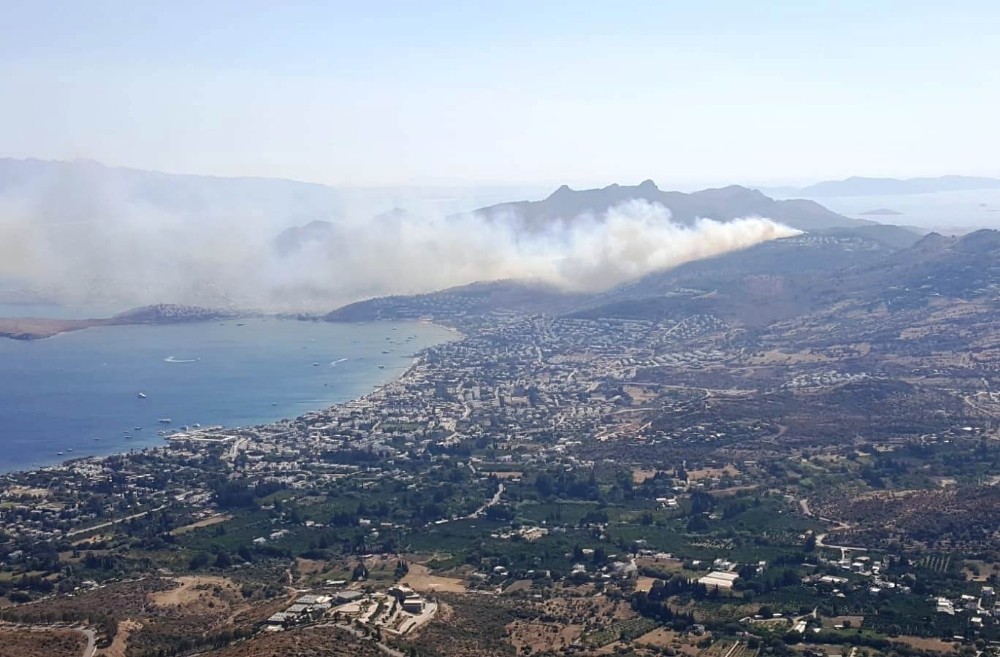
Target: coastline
pixel 27 329
pixel 41 328
pixel 372 396
pixel 416 361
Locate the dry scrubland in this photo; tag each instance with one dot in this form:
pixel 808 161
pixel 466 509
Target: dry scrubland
pixel 138 619
pixel 466 626
pixel 419 578
pixel 56 643
pixel 309 642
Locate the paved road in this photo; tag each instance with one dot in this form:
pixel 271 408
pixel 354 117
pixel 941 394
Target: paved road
pixel 493 502
pixel 91 642
pixel 118 521
pixel 238 444
pixel 844 549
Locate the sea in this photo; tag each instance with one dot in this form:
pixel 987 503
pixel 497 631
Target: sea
pixel 105 390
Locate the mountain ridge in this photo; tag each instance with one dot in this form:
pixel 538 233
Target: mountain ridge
pixel 721 204
pixel 756 287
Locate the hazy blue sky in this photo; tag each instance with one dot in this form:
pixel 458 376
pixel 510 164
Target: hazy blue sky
pixel 371 92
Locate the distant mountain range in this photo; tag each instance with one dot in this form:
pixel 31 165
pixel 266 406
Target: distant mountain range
pixel 724 204
pixel 299 213
pixel 77 190
pixel 858 186
pixel 870 282
pixel 285 202
pixel 92 183
pixel 565 206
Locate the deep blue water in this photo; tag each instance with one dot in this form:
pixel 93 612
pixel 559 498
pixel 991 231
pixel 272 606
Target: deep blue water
pixel 79 391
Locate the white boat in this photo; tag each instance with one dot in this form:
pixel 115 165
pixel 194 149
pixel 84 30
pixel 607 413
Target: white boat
pixel 164 420
pixel 142 395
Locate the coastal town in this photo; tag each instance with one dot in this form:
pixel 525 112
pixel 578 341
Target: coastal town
pixel 499 329
pixel 537 461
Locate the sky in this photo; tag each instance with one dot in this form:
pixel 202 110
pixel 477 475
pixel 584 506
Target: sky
pixel 585 92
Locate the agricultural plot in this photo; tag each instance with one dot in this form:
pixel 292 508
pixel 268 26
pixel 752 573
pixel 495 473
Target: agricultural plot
pixel 717 649
pixel 939 563
pixel 623 631
pixel 742 650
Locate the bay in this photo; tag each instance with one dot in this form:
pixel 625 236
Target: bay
pixel 78 393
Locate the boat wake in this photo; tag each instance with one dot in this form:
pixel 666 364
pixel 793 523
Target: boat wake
pixel 171 359
pixel 340 360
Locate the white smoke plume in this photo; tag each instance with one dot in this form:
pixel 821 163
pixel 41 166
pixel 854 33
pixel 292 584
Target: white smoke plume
pixel 88 245
pixel 589 254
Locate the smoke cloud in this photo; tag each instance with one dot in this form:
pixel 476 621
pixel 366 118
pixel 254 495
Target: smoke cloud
pixel 92 244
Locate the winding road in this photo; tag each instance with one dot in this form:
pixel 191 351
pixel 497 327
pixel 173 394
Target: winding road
pixel 91 642
pixel 844 549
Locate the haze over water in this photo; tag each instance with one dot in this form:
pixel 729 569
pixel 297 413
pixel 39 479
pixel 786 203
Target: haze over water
pixel 80 391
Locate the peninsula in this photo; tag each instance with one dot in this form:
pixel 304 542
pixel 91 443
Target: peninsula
pixel 37 328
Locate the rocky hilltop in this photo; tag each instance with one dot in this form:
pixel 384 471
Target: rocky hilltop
pixel 722 204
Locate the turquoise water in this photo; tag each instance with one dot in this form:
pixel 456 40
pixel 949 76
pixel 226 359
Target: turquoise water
pixel 80 391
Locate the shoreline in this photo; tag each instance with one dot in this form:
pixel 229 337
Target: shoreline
pixel 416 361
pixel 28 329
